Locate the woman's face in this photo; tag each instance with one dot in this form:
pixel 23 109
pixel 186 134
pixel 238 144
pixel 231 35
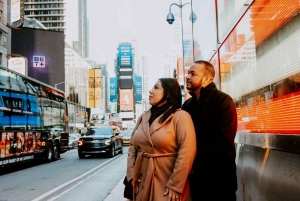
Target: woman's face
pixel 156 93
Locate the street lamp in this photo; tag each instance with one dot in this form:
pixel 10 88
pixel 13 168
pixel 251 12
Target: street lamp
pixel 170 16
pixel 170 20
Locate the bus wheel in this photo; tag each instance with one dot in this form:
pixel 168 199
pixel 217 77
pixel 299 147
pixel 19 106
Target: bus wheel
pixel 49 154
pixel 55 154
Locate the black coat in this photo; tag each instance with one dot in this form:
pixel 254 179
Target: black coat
pixel 215 120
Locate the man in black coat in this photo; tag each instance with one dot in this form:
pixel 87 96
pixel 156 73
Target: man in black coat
pixel 215 120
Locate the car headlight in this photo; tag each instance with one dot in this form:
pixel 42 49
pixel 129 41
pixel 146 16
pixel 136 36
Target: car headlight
pixel 80 143
pixel 107 142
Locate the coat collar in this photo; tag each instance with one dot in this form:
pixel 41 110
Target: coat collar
pixel 205 93
pixel 148 131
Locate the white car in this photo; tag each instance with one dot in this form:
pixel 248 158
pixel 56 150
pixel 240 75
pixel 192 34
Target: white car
pixel 73 141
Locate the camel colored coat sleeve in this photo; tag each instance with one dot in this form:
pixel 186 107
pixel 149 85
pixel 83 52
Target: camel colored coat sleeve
pixel 186 140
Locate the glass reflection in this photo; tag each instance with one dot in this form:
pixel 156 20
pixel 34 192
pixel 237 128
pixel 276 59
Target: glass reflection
pixel 260 68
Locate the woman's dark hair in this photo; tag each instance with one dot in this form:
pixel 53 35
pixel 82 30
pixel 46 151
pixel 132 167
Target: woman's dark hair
pixel 172 93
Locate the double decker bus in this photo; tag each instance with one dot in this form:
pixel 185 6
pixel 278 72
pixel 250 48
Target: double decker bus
pixel 32 119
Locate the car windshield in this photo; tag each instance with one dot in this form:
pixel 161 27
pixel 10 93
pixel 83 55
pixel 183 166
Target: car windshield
pixel 126 133
pixel 99 131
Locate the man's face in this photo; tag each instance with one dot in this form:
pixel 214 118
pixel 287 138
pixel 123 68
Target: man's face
pixel 195 77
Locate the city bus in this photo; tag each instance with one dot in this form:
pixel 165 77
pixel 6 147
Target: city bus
pixel 30 113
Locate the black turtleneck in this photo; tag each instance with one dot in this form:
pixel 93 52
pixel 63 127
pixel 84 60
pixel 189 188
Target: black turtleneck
pixel 157 111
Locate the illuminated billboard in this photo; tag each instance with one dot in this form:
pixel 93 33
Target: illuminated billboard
pixel 126 99
pixel 95 84
pixel 113 89
pixel 138 88
pixel 125 78
pixel 43 47
pixel 125 55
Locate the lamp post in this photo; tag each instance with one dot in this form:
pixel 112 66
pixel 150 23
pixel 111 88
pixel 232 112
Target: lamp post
pixel 170 19
pixel 170 16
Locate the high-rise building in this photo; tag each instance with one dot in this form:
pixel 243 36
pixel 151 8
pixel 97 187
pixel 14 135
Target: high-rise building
pixel 105 86
pixel 145 76
pixel 4 34
pixel 50 13
pixel 77 26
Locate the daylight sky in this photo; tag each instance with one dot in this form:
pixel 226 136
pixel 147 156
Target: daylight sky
pixel 115 21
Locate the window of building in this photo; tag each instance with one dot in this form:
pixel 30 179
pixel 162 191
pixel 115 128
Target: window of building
pixel 1 58
pixel 1 18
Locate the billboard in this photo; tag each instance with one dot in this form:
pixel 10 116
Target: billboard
pixel 15 14
pixel 113 89
pixel 125 78
pixel 44 47
pixel 18 64
pixel 138 88
pixel 113 107
pixel 95 84
pixel 125 55
pixel 126 99
pixel 138 110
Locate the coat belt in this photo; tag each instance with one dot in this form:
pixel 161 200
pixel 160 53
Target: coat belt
pixel 148 187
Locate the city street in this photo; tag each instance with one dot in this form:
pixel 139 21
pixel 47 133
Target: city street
pixel 69 178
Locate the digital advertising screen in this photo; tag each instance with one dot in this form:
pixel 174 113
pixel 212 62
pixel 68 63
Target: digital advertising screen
pixel 125 55
pixel 44 50
pixel 126 100
pixel 125 78
pixel 113 89
pixel 138 88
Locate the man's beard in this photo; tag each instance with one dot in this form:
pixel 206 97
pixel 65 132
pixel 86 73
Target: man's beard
pixel 192 88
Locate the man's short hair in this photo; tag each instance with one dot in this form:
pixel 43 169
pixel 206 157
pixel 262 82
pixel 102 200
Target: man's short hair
pixel 209 68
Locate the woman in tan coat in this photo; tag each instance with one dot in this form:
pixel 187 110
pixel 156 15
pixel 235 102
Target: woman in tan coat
pixel 162 147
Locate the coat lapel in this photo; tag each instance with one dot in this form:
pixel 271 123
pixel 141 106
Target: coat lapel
pixel 156 125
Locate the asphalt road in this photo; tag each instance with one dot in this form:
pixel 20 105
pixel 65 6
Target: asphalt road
pixel 69 178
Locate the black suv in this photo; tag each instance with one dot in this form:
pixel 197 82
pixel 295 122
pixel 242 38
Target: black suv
pixel 97 140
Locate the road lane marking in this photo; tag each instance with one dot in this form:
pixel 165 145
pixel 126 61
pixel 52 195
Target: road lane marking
pixel 54 198
pixel 73 180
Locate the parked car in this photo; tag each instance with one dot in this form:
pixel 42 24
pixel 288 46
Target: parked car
pixel 73 140
pixel 76 134
pixel 126 135
pixel 97 140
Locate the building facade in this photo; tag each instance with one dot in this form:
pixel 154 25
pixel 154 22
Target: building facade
pixel 50 13
pixel 4 34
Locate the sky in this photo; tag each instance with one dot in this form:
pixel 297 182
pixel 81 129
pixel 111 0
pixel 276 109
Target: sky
pixel 115 21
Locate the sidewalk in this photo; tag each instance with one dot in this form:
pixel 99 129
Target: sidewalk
pixel 116 194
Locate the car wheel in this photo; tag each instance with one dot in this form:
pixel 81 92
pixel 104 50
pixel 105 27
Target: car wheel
pixel 112 152
pixel 80 155
pixel 121 149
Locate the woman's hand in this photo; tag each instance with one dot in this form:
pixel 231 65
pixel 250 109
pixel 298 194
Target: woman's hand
pixel 135 186
pixel 173 195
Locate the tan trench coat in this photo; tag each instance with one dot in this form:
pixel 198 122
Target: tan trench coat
pixel 165 154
